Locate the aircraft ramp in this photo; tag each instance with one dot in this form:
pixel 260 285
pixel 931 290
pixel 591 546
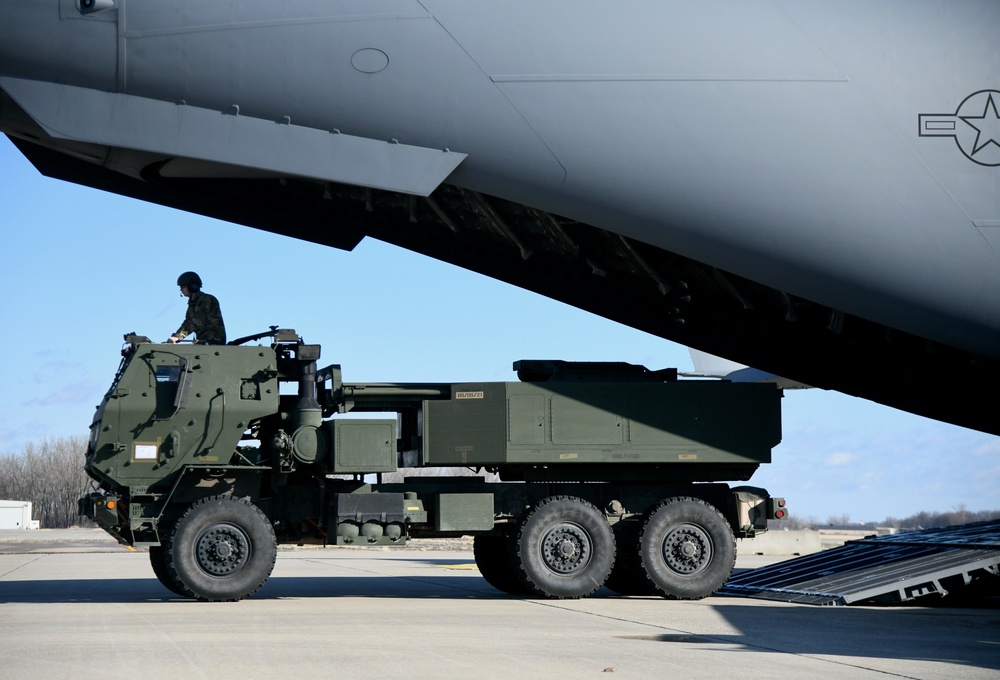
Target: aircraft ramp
pixel 880 570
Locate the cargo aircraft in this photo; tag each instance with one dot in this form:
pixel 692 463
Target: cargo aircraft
pixel 808 187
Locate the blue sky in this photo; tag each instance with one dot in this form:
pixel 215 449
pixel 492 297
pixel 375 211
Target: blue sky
pixel 81 267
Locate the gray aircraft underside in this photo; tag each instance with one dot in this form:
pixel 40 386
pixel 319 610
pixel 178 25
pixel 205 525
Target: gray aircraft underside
pixel 807 187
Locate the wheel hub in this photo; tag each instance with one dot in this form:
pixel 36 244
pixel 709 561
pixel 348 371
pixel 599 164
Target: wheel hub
pixel 687 549
pixel 222 549
pixel 566 548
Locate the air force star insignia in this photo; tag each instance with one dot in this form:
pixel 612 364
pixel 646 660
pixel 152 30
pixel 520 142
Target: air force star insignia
pixel 975 125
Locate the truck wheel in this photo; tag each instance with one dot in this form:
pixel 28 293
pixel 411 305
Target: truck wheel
pixel 686 548
pixel 494 561
pixel 221 550
pixel 626 576
pixel 158 560
pixel 563 548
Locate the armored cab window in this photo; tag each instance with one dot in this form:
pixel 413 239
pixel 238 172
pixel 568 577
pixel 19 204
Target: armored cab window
pixel 168 374
pixel 172 386
pixel 167 379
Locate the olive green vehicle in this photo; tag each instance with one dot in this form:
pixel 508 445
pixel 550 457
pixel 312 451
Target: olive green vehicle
pixel 211 456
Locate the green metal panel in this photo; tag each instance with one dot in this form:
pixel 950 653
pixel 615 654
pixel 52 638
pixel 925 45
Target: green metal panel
pixel 463 512
pixel 367 445
pixel 468 429
pixel 591 422
pixel 175 405
pixel 586 419
pixel 527 420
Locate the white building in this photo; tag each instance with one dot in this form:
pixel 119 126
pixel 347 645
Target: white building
pixel 16 515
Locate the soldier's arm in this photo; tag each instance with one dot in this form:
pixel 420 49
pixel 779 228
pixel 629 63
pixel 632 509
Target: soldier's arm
pixel 186 328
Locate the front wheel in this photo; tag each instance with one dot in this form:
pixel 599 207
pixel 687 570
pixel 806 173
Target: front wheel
pixel 221 550
pixel 686 549
pixel 158 560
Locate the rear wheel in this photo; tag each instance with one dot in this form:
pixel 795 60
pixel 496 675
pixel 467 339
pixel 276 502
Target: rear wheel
pixel 494 561
pixel 686 548
pixel 627 577
pixel 563 548
pixel 221 550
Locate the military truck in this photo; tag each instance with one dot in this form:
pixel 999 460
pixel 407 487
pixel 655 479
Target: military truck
pixel 577 475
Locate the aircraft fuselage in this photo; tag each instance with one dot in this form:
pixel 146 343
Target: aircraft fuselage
pixel 845 154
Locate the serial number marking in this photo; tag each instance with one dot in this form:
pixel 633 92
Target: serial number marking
pixel 469 395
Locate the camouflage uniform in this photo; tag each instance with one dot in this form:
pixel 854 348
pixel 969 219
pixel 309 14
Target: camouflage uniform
pixel 204 319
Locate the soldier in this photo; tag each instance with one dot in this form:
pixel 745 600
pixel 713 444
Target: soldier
pixel 203 318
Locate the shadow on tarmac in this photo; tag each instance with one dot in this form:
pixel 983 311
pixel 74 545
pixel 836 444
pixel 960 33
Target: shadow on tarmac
pixel 108 591
pixel 956 636
pixel 946 635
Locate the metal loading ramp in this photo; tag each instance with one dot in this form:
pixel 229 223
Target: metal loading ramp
pixel 880 570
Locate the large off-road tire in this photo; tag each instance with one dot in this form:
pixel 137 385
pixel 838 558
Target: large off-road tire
pixel 221 550
pixel 158 560
pixel 627 577
pixel 686 548
pixel 563 548
pixel 493 557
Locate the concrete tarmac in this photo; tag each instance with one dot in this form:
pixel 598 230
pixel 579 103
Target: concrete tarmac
pixel 84 607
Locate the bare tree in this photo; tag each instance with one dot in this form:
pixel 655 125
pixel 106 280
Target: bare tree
pixel 932 520
pixel 50 475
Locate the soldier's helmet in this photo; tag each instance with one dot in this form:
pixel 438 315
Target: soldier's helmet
pixel 189 279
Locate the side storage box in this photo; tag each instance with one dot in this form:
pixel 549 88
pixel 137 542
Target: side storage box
pixel 362 445
pixel 463 512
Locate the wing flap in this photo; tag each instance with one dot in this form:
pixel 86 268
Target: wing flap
pixel 181 131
